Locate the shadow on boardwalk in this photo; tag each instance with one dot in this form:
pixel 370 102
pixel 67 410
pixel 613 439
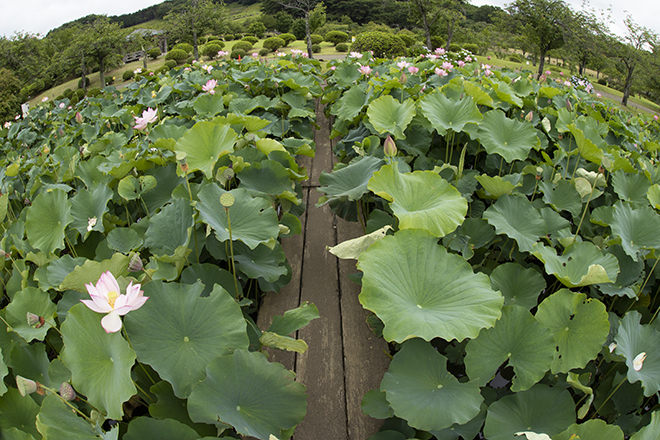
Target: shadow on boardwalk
pixel 344 359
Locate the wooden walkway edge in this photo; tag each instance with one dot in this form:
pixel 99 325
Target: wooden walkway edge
pixel 344 359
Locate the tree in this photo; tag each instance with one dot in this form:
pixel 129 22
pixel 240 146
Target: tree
pixel 98 40
pixel 194 19
pixel 632 51
pixel 10 87
pixel 432 12
pixel 543 23
pixel 585 35
pixel 305 7
pixel 284 22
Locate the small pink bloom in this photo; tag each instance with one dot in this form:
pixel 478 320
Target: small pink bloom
pixel 488 57
pixel 402 64
pixel 561 73
pixel 468 58
pixel 447 66
pixel 487 72
pixel 461 63
pixel 62 105
pixel 355 55
pixel 210 86
pixel 440 72
pixel 654 116
pixel 255 54
pixel 440 51
pixel 547 72
pixel 365 70
pixel 333 68
pixel 567 83
pixel 413 69
pixel 149 115
pixel 44 99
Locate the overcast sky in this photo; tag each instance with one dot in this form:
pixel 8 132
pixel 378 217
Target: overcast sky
pixel 40 16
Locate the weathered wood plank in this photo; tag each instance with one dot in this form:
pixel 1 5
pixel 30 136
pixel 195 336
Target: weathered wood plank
pixel 365 358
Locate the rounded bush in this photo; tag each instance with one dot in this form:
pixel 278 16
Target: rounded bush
pixel 273 43
pixel 602 81
pixel 178 55
pixel 211 50
pixel 471 47
pixel 316 48
pixel 74 99
pixel 453 47
pixel 162 69
pixel 68 93
pixel 316 38
pixel 187 48
pixel 229 37
pixel 237 53
pixel 250 39
pixel 245 46
pixel 336 37
pixel 80 94
pixel 93 92
pixel 298 29
pixel 288 38
pixel 154 53
pixel 408 37
pixel 190 59
pixel 109 80
pixel 171 64
pixel 128 75
pixel 264 52
pixel 384 45
pixel 214 38
pixel 341 47
pixel 437 41
pixel 82 85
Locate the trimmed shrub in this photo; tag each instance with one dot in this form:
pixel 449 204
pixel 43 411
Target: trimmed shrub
pixel 162 69
pixel 515 58
pixel 316 48
pixel 128 75
pixel 288 39
pixel 408 37
pixel 93 92
pixel 273 43
pixel 190 59
pixel 257 28
pixel 383 44
pixel 237 53
pixel 471 47
pixel 178 55
pixel 171 64
pixel 187 48
pixel 109 80
pixel 154 53
pixel 453 47
pixel 264 52
pixel 229 37
pixel 82 85
pixel 80 94
pixel 437 41
pixel 341 47
pixel 251 40
pixel 214 38
pixel 245 46
pixel 211 50
pixel 68 93
pixel 74 99
pixel 316 38
pixel 602 81
pixel 336 37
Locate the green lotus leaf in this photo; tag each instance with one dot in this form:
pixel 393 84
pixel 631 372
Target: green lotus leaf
pixel 90 204
pixel 268 177
pixel 562 197
pixel 124 240
pixel 18 412
pixel 638 228
pixel 478 94
pixel 261 262
pixel 100 362
pixel 298 104
pixel 517 338
pixel 162 194
pixel 581 264
pixel 130 188
pixel 375 404
pixel 579 325
pixel 170 228
pixel 257 397
pixel 30 361
pixel 650 431
pixel 56 421
pixel 47 219
pixel 346 74
pixel 143 427
pixel 253 219
pixel 449 114
pixel 91 271
pixel 516 218
pixel 466 430
pixel 351 103
pixel 210 274
pixel 421 390
pixel 591 430
pixel 293 319
pixel 519 286
pixel 653 196
pixel 509 138
pixel 31 300
pixel 421 199
pixel 540 409
pixel 268 145
pixel 168 406
pixel 495 186
pixel 209 105
pixel 15 434
pixel 351 249
pixel 4 371
pixel 387 115
pixel 587 148
pixel 420 290
pixel 631 187
pixel 634 339
pixel 178 332
pixel 203 145
pixel 629 274
pixel 506 93
pixel 349 182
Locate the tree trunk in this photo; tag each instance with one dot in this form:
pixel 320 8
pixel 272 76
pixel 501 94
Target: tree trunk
pixel 427 31
pixel 144 58
pixel 102 70
pixel 541 63
pixel 308 36
pixel 626 88
pixel 450 33
pixel 84 73
pixel 196 50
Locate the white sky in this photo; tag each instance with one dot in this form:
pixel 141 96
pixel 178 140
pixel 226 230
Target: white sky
pixel 40 16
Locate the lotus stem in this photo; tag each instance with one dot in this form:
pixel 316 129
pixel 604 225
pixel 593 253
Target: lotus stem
pixel 608 398
pixel 66 402
pixel 644 285
pixel 231 250
pixel 191 200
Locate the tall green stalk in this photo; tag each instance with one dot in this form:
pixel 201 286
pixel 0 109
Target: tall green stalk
pixel 227 201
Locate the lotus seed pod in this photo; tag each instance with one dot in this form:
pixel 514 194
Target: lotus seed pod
pixel 35 321
pixel 229 174
pixel 135 265
pixel 67 392
pixel 227 200
pixel 389 147
pixel 26 386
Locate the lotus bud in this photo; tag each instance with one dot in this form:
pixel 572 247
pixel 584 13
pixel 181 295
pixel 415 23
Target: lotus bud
pixel 389 147
pixel 403 79
pixel 35 321
pixel 67 392
pixel 79 118
pixel 569 106
pixel 135 265
pixel 529 116
pixel 26 386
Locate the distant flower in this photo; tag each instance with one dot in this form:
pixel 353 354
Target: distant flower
pixel 222 53
pixel 461 63
pixel 91 222
pixel 598 95
pixel 485 66
pixel 210 86
pixel 153 93
pixel 280 54
pixel 440 72
pixel 151 74
pixel 149 115
pixel 440 51
pixel 403 64
pixel 365 70
pixel 547 72
pixel 447 66
pixel 333 68
pixel 654 116
pixel 355 55
pixel 413 69
pixel 561 73
pixel 567 83
pixel 430 56
pixel 255 54
pixel 137 71
pixel 107 299
pixel 79 118
pixel 488 57
pixel 44 99
pixel 487 72
pixel 62 105
pixel 7 124
pixel 468 58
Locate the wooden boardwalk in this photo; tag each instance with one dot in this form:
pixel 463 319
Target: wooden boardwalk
pixel 344 359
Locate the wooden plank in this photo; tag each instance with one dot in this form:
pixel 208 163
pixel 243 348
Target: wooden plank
pixel 324 157
pixel 365 358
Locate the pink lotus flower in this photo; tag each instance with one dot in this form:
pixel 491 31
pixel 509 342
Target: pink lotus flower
pixel 440 72
pixel 149 115
pixel 107 299
pixel 402 64
pixel 567 83
pixel 440 51
pixel 365 70
pixel 222 53
pixel 461 63
pixel 468 58
pixel 255 54
pixel 413 70
pixel 488 57
pixel 62 105
pixel 210 86
pixel 547 72
pixel 561 73
pixel 487 72
pixel 333 68
pixel 447 66
pixel 355 55
pixel 654 116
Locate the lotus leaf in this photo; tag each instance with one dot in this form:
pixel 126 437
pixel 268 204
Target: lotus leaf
pixel 517 218
pixel 632 340
pixel 389 116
